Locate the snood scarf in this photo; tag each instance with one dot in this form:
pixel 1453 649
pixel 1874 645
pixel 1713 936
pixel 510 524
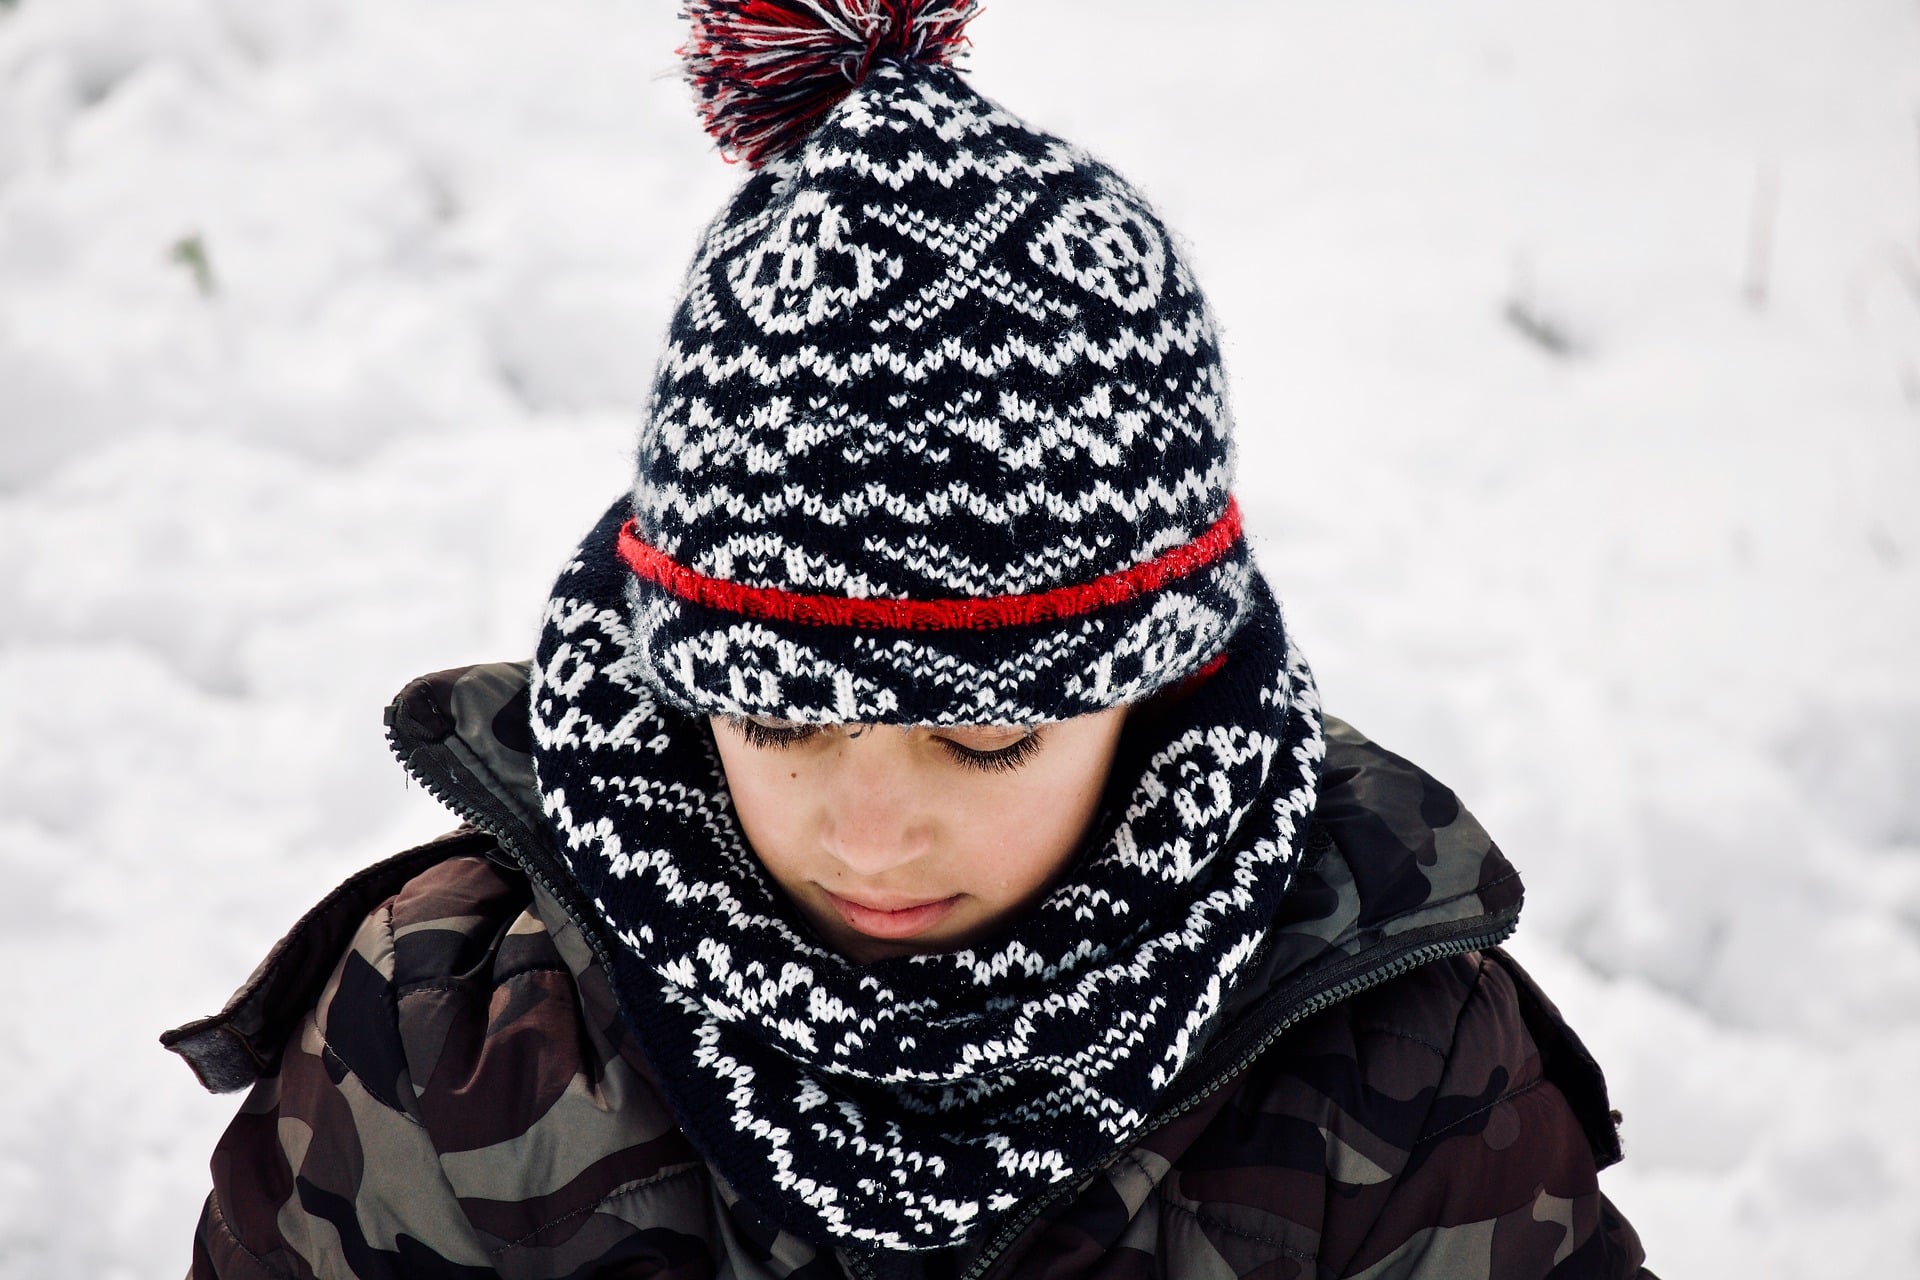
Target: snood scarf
pixel 908 1103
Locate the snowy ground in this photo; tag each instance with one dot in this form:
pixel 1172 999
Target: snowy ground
pixel 323 328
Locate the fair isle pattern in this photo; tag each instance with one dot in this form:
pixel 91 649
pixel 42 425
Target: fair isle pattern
pixel 932 353
pixel 906 1103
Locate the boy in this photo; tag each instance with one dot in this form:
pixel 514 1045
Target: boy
pixel 917 848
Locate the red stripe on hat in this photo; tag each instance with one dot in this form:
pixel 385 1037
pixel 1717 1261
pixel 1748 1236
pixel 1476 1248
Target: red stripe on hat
pixel 976 613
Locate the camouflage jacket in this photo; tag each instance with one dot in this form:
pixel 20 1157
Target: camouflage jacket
pixel 442 1085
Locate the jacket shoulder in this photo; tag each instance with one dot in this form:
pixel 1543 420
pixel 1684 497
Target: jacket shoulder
pixel 518 1068
pixel 1448 1115
pixel 242 1043
pixel 451 1035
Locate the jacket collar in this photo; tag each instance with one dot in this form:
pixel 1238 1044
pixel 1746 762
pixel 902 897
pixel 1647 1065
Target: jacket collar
pixel 1396 873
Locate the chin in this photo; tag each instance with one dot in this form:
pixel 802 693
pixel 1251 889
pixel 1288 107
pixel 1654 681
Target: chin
pixel 861 949
pixel 864 950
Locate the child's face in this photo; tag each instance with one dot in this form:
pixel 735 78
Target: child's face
pixel 894 841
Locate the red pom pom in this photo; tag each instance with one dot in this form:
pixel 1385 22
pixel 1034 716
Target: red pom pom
pixel 766 70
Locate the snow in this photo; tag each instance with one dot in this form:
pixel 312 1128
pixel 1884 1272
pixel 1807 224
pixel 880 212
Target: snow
pixel 324 325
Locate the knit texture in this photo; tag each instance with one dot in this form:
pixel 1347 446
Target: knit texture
pixel 906 1103
pixel 932 355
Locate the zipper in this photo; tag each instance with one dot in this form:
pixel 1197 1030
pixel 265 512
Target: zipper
pixel 1341 981
pixel 486 814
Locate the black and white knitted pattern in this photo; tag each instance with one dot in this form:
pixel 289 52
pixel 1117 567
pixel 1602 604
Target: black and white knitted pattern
pixel 906 1103
pixel 930 354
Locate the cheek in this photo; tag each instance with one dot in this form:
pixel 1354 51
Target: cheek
pixel 768 800
pixel 1021 842
pixel 1045 819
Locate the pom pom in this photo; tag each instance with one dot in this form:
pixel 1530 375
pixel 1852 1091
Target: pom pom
pixel 766 70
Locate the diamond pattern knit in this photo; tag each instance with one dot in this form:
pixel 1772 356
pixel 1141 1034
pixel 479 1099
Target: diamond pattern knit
pixel 934 354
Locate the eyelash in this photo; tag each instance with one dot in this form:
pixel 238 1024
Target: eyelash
pixel 1007 758
pixel 760 735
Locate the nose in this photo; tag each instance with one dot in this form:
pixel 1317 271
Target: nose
pixel 873 823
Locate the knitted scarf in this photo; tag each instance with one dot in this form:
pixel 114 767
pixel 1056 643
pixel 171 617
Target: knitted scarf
pixel 906 1103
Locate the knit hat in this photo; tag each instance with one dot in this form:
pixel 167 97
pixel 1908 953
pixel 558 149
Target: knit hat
pixel 940 434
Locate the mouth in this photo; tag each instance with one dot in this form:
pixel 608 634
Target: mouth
pixel 905 921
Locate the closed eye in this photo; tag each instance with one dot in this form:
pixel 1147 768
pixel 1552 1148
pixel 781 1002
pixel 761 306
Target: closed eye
pixel 1000 759
pixel 778 734
pixel 775 734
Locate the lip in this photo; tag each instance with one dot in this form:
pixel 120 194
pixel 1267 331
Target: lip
pixel 904 922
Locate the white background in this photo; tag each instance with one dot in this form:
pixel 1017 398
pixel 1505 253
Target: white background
pixel 1647 602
